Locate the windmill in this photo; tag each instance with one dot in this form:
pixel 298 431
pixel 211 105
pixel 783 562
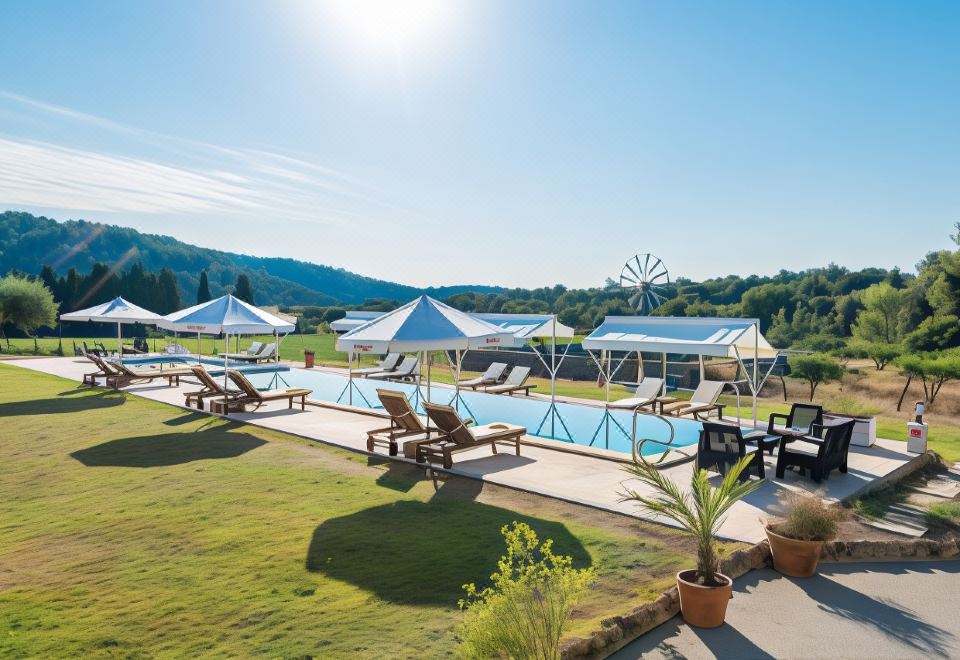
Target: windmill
pixel 644 276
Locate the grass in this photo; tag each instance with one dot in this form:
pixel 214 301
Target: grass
pixel 131 528
pixel 944 514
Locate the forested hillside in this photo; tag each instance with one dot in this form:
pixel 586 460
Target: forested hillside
pixel 28 243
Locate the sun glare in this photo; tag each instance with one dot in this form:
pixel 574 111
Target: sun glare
pixel 395 24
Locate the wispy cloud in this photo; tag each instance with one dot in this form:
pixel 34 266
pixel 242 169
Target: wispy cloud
pixel 196 177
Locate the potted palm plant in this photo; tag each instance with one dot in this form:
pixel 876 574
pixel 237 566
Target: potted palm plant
pixel 704 590
pixel 796 540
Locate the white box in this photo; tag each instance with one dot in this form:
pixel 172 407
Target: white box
pixel 864 431
pixel 916 438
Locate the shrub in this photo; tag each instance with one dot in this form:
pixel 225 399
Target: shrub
pixel 524 611
pixel 808 518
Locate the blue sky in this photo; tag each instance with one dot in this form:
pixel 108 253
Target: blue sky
pixel 522 144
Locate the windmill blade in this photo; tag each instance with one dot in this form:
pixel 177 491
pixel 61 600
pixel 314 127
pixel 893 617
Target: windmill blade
pixel 627 278
pixel 630 268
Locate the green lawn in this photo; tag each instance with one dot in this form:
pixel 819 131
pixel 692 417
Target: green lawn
pixel 130 528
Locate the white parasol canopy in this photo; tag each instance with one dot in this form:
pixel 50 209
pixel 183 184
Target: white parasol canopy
pixel 227 315
pixel 423 324
pixel 117 311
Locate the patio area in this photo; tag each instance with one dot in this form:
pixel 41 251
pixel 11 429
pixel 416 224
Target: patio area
pixel 584 479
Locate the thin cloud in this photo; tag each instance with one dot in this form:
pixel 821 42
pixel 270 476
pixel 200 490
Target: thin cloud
pixel 207 179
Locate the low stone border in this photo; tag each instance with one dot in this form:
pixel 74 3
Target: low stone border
pixel 895 550
pixel 618 631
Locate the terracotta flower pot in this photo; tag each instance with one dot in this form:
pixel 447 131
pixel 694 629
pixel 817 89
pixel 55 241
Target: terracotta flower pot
pixel 794 557
pixel 702 606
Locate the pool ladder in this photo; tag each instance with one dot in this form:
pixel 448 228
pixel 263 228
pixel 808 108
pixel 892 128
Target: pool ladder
pixel 636 446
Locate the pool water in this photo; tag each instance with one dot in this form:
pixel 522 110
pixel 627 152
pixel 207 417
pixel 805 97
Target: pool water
pixel 213 365
pixel 590 426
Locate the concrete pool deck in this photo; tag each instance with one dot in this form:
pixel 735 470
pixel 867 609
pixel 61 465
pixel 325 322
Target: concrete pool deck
pixel 579 478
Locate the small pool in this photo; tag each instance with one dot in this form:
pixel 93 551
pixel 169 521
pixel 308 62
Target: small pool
pixel 213 365
pixel 590 426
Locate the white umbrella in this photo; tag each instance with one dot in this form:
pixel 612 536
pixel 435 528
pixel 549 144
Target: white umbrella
pixel 117 311
pixel 420 326
pixel 227 315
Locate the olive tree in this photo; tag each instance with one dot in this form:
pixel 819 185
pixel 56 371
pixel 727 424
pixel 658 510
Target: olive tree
pixel 814 369
pixel 26 304
pixel 933 370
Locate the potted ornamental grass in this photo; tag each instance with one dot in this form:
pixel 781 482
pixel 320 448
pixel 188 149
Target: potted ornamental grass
pixel 704 590
pixel 797 538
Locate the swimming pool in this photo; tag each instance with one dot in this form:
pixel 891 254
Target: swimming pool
pixel 212 364
pixel 589 426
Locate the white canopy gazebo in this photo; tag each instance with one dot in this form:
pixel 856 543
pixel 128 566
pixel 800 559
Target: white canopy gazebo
pixel 739 339
pixel 421 326
pixel 230 316
pixel 117 311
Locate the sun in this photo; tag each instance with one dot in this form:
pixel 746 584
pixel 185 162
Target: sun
pixel 393 24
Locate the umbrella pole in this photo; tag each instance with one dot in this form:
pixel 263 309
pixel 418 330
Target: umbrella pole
pixel 226 344
pixel 427 353
pixel 198 348
pixel 119 343
pixel 350 378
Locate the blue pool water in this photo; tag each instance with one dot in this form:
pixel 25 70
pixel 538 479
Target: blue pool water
pixel 213 365
pixel 568 422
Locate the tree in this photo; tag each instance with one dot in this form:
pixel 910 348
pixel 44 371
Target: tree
pixel 525 610
pixel 27 305
pixel 203 291
pixel 169 294
pixel 934 333
pixel 881 353
pixel 763 302
pixel 815 369
pixel 879 321
pixel 932 369
pixel 242 289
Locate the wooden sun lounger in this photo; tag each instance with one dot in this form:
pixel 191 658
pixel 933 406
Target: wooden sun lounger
pixel 704 400
pixel 404 424
pixel 491 376
pixel 211 388
pixel 406 371
pixel 646 394
pixel 104 369
pixel 515 382
pixel 250 394
pixel 124 375
pixel 266 352
pixel 455 436
pixel 387 365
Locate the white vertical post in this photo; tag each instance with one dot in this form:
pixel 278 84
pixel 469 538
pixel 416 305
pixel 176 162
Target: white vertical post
pixel 119 343
pixel 349 377
pixel 428 355
pixel 756 359
pixel 606 378
pixel 553 362
pixel 663 373
pixel 198 346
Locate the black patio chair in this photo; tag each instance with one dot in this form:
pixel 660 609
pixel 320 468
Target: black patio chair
pixel 722 445
pixel 823 451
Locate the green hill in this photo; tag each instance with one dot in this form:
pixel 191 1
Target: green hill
pixel 28 242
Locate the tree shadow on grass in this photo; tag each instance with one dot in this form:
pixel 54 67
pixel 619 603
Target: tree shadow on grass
pixel 420 553
pixel 63 403
pixel 168 449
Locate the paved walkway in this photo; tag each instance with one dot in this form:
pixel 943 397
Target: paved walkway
pixel 876 610
pixel 574 477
